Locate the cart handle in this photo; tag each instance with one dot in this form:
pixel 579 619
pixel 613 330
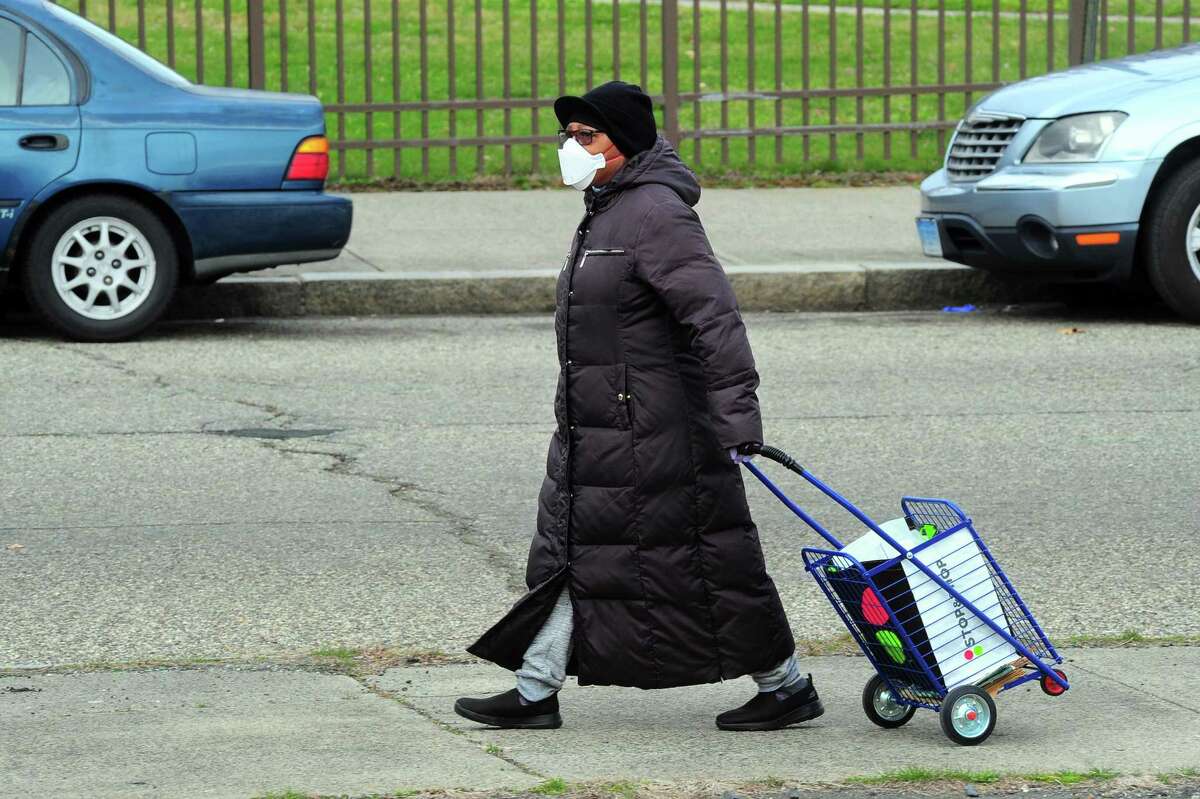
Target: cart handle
pixel 781 457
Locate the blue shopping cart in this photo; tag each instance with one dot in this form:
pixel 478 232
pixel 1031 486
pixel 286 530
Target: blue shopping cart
pixel 930 608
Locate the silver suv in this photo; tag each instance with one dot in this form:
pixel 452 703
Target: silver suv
pixel 1091 174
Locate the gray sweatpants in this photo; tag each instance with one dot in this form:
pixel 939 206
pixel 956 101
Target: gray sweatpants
pixel 545 666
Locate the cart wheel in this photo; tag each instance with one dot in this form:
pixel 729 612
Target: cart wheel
pixel 1051 687
pixel 968 715
pixel 882 708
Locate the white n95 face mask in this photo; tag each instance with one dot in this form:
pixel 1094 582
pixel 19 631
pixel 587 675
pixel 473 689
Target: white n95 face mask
pixel 578 166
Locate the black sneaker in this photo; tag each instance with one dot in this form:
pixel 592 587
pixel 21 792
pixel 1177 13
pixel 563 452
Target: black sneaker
pixel 509 711
pixel 772 710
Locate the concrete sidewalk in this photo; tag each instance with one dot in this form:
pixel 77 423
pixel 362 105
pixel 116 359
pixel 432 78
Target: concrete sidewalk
pixel 500 252
pixel 240 731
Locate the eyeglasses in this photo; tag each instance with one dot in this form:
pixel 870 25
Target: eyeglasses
pixel 583 136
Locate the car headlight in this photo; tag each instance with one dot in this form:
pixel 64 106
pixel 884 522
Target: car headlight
pixel 1074 138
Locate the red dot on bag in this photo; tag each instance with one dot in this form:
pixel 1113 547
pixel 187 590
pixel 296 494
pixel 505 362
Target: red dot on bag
pixel 872 609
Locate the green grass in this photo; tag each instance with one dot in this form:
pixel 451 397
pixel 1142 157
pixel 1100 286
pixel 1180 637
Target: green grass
pixel 1130 638
pixel 1171 8
pixel 1181 774
pixel 130 665
pixel 832 45
pixel 350 660
pixel 1072 777
pixel 771 783
pixel 624 790
pixel 552 787
pixel 339 652
pixel 841 644
pixel 918 774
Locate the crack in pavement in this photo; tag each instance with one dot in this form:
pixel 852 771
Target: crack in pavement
pixel 158 381
pixel 462 527
pixel 361 258
pixel 1136 688
pixel 375 690
pixel 206 525
pixel 488 749
pixel 101 433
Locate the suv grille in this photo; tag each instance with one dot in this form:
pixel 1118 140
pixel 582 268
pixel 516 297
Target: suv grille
pixel 979 143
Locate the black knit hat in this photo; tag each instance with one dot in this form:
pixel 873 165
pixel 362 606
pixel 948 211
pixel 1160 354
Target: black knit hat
pixel 622 110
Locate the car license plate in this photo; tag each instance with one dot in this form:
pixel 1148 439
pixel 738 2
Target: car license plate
pixel 931 240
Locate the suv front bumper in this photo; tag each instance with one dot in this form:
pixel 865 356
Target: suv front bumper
pixel 1025 220
pixel 1035 248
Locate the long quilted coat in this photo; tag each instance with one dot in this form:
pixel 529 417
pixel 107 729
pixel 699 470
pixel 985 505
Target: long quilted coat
pixel 642 515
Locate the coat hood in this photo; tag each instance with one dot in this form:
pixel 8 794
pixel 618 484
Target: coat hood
pixel 659 164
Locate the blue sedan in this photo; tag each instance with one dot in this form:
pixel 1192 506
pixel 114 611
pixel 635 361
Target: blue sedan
pixel 120 180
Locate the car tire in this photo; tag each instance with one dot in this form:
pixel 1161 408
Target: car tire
pixel 1172 238
pixel 101 268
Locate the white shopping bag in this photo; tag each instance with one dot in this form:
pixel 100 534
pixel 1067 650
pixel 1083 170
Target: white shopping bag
pixel 871 547
pixel 967 650
pixel 964 648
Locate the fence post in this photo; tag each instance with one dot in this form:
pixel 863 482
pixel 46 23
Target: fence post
pixel 1083 23
pixel 670 70
pixel 256 34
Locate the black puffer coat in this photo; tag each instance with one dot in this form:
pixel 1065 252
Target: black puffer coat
pixel 642 514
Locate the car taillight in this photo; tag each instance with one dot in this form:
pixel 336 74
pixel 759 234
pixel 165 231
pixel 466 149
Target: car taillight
pixel 311 160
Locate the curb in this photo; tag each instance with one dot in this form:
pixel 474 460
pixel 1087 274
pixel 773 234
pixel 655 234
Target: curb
pixel 810 287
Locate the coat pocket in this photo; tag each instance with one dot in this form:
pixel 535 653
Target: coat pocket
pixel 597 275
pixel 599 251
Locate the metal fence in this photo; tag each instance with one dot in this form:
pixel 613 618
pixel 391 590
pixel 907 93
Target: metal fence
pixel 448 89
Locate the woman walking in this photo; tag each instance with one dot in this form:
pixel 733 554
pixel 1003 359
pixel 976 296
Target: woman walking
pixel 646 568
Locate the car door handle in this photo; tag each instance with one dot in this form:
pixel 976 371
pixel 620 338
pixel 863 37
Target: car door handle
pixel 44 141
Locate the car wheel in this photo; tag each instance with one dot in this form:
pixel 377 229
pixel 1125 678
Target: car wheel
pixel 1172 244
pixel 101 268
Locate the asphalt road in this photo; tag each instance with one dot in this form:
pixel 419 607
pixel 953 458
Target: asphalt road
pixel 264 487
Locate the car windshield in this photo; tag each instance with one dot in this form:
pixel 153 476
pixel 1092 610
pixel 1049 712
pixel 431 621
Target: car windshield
pixel 125 50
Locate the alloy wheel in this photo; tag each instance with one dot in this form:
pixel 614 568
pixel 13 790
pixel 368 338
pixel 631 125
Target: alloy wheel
pixel 103 268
